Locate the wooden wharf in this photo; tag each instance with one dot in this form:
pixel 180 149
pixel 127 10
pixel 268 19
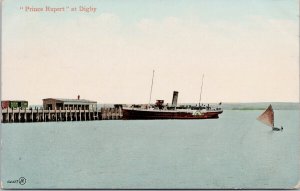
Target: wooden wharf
pixel 19 115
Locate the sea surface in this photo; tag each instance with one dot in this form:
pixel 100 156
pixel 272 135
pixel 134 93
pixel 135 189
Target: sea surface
pixel 234 151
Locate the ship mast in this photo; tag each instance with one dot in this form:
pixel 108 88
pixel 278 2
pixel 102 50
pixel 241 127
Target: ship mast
pixel 151 89
pixel 201 91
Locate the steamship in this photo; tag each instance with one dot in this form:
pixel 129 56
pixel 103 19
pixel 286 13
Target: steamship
pixel 163 111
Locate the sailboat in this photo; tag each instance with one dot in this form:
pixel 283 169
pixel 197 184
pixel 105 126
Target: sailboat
pixel 267 117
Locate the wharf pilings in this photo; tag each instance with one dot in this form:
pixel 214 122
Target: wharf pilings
pixel 19 115
pixel 111 113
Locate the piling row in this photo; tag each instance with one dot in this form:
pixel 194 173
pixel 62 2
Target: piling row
pixel 111 113
pixel 20 115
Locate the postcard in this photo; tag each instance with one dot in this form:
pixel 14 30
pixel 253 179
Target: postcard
pixel 160 94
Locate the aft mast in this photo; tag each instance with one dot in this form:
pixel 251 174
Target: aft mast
pixel 201 91
pixel 151 89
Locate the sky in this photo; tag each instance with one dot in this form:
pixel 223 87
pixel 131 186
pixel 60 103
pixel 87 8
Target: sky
pixel 248 51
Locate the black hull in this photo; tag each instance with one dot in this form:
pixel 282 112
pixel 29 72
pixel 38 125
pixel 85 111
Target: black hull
pixel 146 114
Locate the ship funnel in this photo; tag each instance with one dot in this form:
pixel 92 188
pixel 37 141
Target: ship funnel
pixel 175 98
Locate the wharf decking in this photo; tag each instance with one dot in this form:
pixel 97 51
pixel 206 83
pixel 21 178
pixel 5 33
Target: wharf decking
pixel 20 115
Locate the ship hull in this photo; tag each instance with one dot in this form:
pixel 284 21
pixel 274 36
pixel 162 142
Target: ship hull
pixel 158 114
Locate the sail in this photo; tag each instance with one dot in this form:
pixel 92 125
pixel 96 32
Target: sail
pixel 267 117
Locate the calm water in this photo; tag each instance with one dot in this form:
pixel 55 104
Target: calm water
pixel 235 151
